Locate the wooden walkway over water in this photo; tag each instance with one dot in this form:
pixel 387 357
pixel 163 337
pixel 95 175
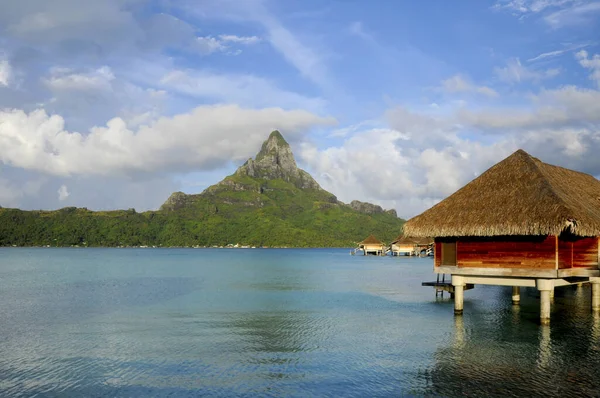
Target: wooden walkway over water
pixel 441 286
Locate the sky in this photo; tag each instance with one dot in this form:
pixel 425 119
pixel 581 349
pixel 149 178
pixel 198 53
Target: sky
pixel 118 103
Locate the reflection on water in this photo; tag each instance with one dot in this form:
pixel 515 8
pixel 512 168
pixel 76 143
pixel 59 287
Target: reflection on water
pixel 513 356
pixel 545 350
pixel 516 314
pixel 460 336
pixel 277 323
pixel 595 332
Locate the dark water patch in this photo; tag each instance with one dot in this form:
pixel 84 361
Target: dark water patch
pixel 514 356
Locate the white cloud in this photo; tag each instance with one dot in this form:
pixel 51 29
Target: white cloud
pixel 549 54
pixel 205 138
pixel 247 40
pixel 459 84
pixel 390 168
pixel 368 162
pixel 515 72
pixel 557 53
pixel 531 6
pixel 566 106
pixel 89 96
pixel 63 193
pixel 107 24
pixel 5 73
pixel 348 130
pixel 581 104
pixel 424 130
pixel 592 63
pixel 556 13
pixel 241 89
pixel 209 44
pixel 100 28
pixel 304 58
pixel 64 79
pixel 32 190
pixel 580 14
pixel 13 192
pixel 9 195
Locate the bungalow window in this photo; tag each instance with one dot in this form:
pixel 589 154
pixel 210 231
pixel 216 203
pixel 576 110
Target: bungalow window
pixel 448 253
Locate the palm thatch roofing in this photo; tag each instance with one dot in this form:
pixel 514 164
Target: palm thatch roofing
pixel 410 240
pixel 371 240
pixel 521 195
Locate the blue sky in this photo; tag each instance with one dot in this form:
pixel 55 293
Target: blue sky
pixel 116 104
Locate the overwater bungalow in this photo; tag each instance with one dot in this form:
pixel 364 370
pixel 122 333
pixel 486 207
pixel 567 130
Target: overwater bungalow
pixel 522 223
pixel 411 246
pixel 371 246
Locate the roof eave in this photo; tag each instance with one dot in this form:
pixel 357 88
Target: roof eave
pixel 502 230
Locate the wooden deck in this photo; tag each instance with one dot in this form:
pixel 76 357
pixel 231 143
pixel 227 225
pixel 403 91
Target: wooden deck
pixel 446 286
pixel 441 285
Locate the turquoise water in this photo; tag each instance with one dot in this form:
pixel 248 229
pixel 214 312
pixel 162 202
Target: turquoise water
pixel 267 322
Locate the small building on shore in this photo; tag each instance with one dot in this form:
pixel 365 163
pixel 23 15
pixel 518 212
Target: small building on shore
pixel 411 246
pixel 372 246
pixel 522 223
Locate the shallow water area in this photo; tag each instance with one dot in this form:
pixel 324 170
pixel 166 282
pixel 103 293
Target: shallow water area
pixel 276 322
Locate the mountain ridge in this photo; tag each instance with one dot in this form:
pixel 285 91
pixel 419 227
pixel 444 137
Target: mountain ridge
pixel 268 201
pixel 274 160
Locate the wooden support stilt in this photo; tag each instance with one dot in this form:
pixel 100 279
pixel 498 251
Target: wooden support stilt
pixel 516 295
pixel 458 283
pixel 545 286
pixel 545 307
pixel 595 282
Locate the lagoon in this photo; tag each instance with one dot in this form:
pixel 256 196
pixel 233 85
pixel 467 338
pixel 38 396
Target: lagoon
pixel 276 322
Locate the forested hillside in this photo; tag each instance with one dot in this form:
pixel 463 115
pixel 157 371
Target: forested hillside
pixel 267 202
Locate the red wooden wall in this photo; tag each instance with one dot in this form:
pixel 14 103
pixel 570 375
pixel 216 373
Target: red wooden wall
pixel 437 252
pixel 565 254
pixel 507 253
pixel 522 252
pixel 585 252
pixel 577 252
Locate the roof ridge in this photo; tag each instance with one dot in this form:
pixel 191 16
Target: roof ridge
pixel 371 239
pixel 563 168
pixel 564 204
pixel 547 182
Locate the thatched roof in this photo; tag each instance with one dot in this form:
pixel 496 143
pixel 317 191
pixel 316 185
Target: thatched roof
pixel 371 240
pixel 518 196
pixel 410 240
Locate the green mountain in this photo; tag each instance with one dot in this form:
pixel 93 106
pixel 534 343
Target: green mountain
pixel 268 201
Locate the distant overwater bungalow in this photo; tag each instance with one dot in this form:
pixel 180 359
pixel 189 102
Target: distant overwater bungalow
pixel 411 246
pixel 371 246
pixel 522 223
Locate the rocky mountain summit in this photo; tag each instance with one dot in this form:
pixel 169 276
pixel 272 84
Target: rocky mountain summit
pixel 178 200
pixel 276 160
pixel 369 208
